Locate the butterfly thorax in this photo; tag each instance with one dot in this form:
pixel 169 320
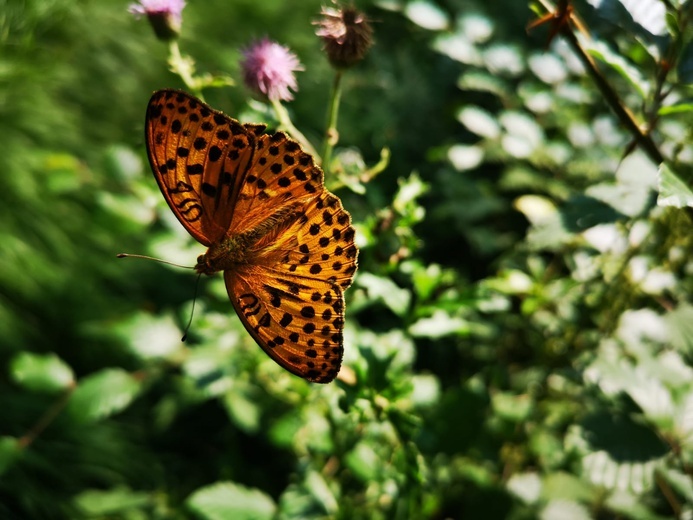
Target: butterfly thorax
pixel 234 250
pixel 227 253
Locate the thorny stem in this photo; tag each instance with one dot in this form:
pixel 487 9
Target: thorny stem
pixel 331 133
pixel 624 115
pixel 286 124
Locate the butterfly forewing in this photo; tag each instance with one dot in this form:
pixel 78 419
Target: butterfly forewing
pixel 199 157
pixel 320 242
pixel 225 180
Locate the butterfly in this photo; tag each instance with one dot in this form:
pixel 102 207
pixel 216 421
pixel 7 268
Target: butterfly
pixel 257 201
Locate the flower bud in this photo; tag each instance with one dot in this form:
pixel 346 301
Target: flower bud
pixel 163 15
pixel 346 35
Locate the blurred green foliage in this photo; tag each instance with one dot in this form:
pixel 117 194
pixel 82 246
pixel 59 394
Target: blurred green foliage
pixel 518 342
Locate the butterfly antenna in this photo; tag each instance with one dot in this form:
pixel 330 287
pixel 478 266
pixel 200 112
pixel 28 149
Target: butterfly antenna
pixel 192 311
pixel 143 257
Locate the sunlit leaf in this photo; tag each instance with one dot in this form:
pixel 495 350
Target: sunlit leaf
pixel 95 502
pixel 427 15
pixel 565 509
pixel 103 394
pixel 41 372
pixel 438 325
pixel 525 486
pixel 385 290
pixel 672 190
pixel 648 13
pixel 617 62
pixel 224 500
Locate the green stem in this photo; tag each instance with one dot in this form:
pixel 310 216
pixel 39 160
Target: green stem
pixel 184 68
pixel 331 134
pixel 286 124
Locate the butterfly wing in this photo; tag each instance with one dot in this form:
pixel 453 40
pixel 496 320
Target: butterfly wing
pixel 298 322
pixel 319 244
pixel 223 178
pixel 290 299
pixel 199 157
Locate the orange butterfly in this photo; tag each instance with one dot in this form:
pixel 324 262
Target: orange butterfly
pixel 258 202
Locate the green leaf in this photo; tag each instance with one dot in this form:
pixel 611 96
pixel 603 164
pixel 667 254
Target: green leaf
pixel 681 482
pixel 93 502
pixel 385 290
pixel 514 408
pixel 151 336
pixel 479 121
pixel 41 372
pixel 103 394
pixel 483 82
pixel 677 108
pixel 617 62
pixel 458 47
pixel 363 461
pixel 680 327
pixel 225 500
pixel 10 449
pixel 617 452
pixel 438 325
pixel 567 486
pixel 525 486
pixel 630 195
pixel 427 15
pixel 319 489
pixel 565 510
pixel 672 190
pixel 242 406
pixel 649 14
pixel 408 191
pixel 465 157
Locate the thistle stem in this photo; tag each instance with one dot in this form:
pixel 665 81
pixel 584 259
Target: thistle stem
pixel 184 68
pixel 331 133
pixel 286 124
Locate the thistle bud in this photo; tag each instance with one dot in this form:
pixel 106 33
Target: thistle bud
pixel 346 35
pixel 164 16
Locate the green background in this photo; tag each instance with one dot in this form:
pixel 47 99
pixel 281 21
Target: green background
pixel 518 339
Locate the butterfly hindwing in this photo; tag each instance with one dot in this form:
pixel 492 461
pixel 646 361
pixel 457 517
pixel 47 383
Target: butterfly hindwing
pixel 199 157
pixel 297 322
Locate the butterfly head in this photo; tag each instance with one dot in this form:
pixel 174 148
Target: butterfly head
pixel 204 266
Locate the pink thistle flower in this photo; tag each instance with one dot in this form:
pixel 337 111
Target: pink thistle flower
pixel 268 68
pixel 164 16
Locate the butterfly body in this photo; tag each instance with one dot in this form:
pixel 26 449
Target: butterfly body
pixel 284 243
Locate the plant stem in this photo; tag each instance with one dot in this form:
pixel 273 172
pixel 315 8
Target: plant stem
pixel 47 418
pixel 184 67
pixel 610 96
pixel 286 124
pixel 331 133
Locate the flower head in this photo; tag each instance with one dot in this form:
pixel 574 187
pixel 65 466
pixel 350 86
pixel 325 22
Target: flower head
pixel 268 68
pixel 164 15
pixel 346 33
